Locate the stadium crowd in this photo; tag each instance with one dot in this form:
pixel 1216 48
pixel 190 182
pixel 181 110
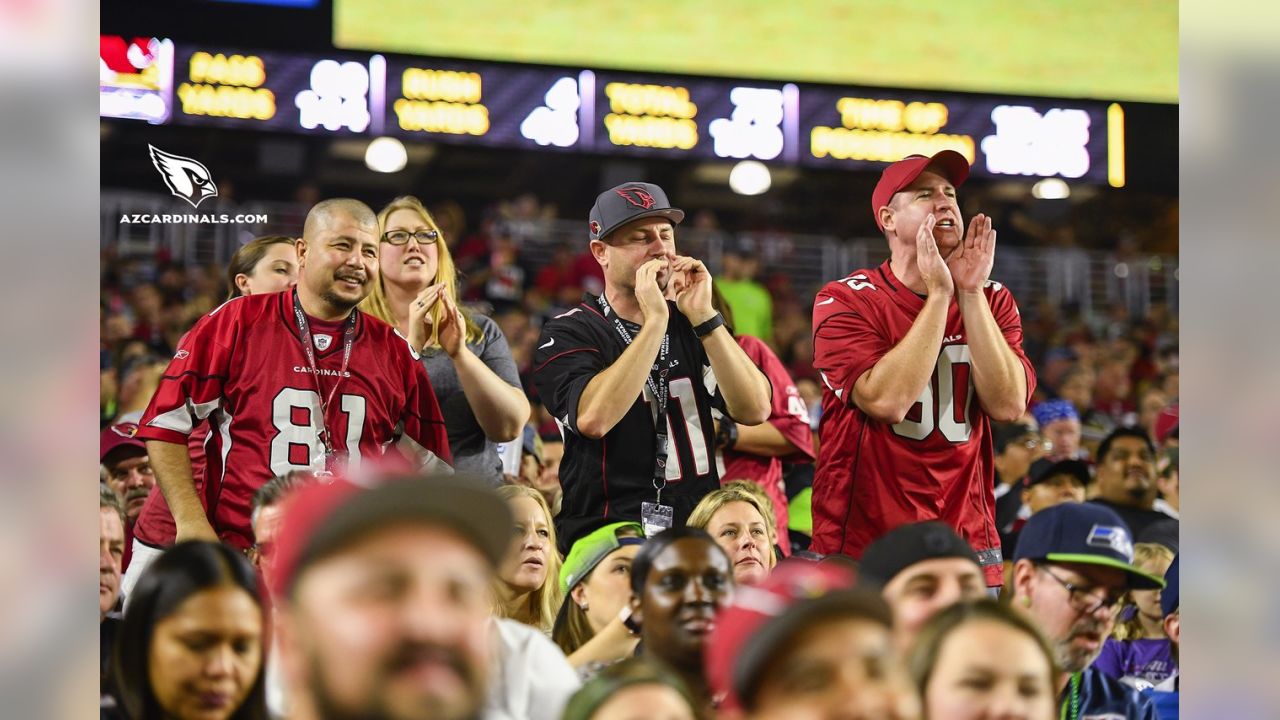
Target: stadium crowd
pixel 657 502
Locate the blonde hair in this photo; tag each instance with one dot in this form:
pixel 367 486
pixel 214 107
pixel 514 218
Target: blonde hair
pixel 736 491
pixel 1145 556
pixel 376 303
pixel 547 598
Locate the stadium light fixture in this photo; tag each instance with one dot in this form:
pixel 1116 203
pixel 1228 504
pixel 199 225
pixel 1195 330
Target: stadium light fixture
pixel 1051 189
pixel 750 177
pixel 386 155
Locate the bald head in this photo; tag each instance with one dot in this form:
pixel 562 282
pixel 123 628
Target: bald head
pixel 324 213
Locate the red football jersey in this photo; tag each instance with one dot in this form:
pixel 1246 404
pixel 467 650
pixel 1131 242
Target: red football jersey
pixel 243 368
pixel 935 464
pixel 790 416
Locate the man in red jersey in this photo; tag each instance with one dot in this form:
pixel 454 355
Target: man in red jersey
pixel 918 356
pixel 298 380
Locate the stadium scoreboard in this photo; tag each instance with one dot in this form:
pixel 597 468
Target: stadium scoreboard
pixel 605 112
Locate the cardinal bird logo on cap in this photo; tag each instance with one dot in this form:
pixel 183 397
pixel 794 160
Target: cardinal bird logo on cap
pixel 637 196
pixel 125 429
pixel 595 227
pixel 188 179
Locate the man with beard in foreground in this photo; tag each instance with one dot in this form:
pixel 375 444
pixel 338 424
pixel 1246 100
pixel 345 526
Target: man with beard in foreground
pixel 1073 564
pixel 296 380
pixel 382 597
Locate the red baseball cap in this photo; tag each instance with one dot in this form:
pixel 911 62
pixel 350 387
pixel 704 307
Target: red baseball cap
pixel 118 436
pixel 761 618
pixel 323 517
pixel 905 171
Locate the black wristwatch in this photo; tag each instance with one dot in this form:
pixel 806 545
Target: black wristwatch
pixel 727 434
pixel 709 326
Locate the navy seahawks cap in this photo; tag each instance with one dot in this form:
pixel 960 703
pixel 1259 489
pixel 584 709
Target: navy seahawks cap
pixel 629 201
pixel 1169 596
pixel 1085 533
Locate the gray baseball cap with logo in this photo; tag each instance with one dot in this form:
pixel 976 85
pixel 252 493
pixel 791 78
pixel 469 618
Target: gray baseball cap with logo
pixel 629 201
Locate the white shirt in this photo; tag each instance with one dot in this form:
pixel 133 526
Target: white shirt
pixel 531 679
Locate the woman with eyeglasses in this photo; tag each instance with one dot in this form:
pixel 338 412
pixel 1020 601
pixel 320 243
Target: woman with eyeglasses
pixel 465 354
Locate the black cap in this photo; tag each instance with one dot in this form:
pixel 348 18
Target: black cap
pixel 1169 596
pixel 906 545
pixel 1005 433
pixel 1042 470
pixel 629 201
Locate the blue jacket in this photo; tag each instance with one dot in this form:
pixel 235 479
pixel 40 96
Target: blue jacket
pixel 1102 697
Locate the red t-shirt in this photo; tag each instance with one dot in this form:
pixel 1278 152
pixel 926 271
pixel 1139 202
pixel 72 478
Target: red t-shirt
pixel 935 464
pixel 790 416
pixel 243 368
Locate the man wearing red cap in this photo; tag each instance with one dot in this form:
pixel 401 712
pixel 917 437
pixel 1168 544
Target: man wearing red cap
pixel 918 356
pixel 127 471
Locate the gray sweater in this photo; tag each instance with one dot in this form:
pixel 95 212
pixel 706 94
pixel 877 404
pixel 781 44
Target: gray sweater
pixel 472 451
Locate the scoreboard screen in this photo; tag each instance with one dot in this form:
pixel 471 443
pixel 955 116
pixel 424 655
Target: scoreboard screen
pixel 607 112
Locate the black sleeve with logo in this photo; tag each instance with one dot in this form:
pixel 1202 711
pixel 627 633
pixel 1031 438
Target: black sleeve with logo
pixel 606 480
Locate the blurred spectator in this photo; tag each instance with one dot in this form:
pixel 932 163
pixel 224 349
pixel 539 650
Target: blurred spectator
pixel 920 569
pixel 383 597
pixel 1060 425
pixel 740 518
pixel 983 660
pixel 1138 652
pixel 1016 447
pixel 528 587
pixel 139 377
pixel 1126 475
pixel 1073 564
pixel 191 643
pixel 110 553
pixel 1164 695
pixel 751 304
pixel 265 514
pixel 592 625
pixel 1077 387
pixel 806 644
pixel 264 517
pixel 264 265
pixel 634 689
pixel 680 579
pixel 1151 403
pixel 1167 483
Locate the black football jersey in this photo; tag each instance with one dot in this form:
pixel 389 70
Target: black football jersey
pixel 606 480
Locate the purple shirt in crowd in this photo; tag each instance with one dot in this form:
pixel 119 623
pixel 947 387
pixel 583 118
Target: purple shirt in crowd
pixel 1147 660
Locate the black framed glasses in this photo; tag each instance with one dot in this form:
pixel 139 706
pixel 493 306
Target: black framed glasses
pixel 401 237
pixel 1085 598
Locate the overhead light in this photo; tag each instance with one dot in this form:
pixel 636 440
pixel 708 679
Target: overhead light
pixel 386 155
pixel 1051 189
pixel 750 177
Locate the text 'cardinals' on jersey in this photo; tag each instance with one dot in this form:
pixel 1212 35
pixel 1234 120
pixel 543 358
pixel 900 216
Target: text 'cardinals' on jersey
pixel 243 369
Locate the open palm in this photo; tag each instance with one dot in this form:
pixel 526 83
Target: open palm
pixel 971 261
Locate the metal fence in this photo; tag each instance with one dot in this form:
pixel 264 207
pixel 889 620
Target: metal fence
pixel 1094 281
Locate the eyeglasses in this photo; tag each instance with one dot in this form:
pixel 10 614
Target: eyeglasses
pixel 1035 442
pixel 401 237
pixel 1085 599
pixel 257 552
